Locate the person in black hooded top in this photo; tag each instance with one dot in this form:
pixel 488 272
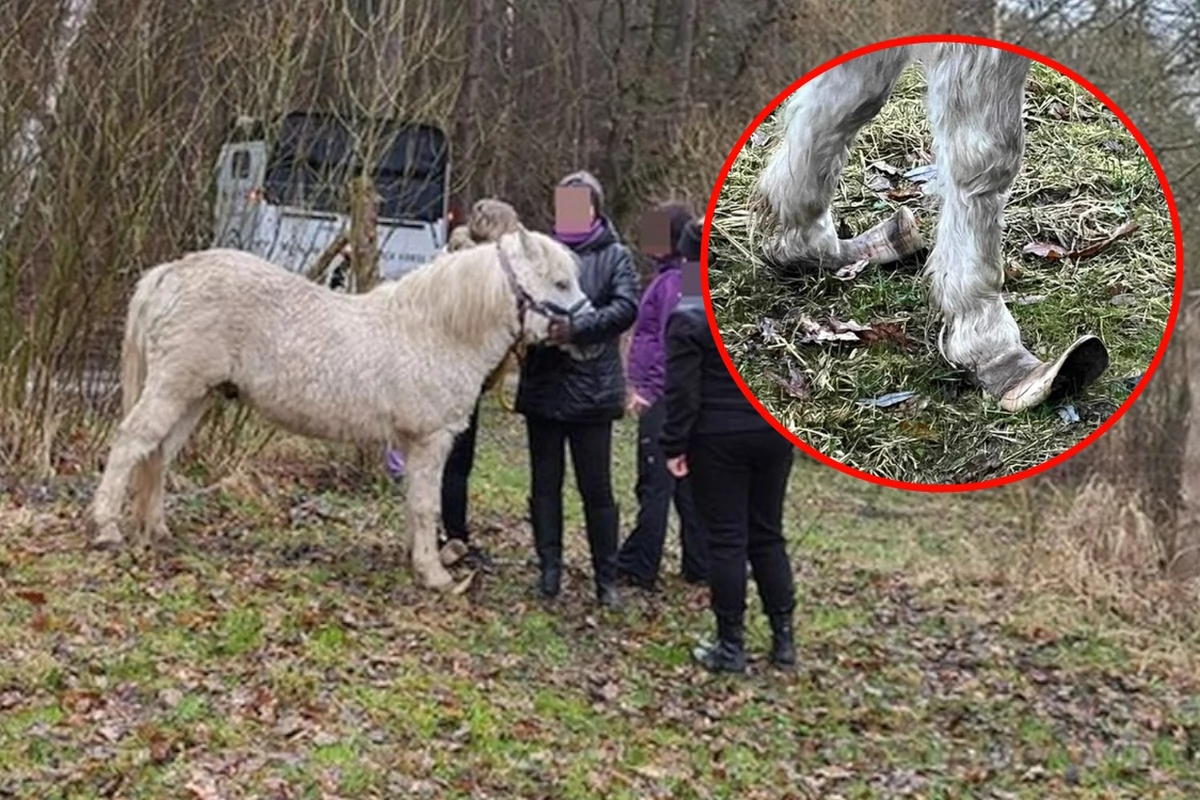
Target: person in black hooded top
pixel 577 399
pixel 739 468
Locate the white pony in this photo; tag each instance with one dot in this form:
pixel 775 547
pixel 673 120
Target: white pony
pixel 399 366
pixel 974 99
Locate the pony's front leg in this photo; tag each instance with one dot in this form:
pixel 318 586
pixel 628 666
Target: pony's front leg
pixel 426 459
pixel 975 96
pixel 822 120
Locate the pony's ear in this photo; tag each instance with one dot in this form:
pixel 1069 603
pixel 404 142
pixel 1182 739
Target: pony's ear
pixel 527 242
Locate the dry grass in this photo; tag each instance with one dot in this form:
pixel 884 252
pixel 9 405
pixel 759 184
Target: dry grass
pixel 1100 548
pixel 1083 175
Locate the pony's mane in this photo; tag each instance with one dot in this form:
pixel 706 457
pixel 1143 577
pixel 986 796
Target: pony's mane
pixel 466 290
pixel 463 290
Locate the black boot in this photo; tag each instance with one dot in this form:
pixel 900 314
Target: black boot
pixel 783 642
pixel 546 518
pixel 728 653
pixel 603 532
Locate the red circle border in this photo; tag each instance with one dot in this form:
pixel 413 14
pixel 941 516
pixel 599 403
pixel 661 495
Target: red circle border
pixel 932 39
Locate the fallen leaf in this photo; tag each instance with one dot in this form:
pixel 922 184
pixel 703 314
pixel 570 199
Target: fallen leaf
pixel 885 167
pixel 110 731
pixel 851 271
pixel 1068 414
pixel 885 333
pixel 170 697
pixel 878 183
pixel 289 726
pixel 80 702
pixel 1120 232
pixel 203 787
pixel 918 429
pixel 766 327
pixel 796 384
pixel 922 174
pixel 1045 250
pixel 32 596
pixel 1055 252
pixel 1025 299
pixel 464 584
pixel 887 400
pixel 905 194
pixel 827 330
pixel 606 693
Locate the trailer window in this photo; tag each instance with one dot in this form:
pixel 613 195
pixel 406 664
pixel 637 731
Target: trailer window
pixel 240 168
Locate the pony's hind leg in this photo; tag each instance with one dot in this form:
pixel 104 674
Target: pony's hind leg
pixel 822 120
pixel 149 476
pixel 975 95
pixel 139 435
pixel 426 459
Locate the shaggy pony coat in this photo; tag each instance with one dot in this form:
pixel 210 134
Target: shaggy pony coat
pixel 401 365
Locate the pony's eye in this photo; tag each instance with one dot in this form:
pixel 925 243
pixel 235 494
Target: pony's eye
pixel 562 286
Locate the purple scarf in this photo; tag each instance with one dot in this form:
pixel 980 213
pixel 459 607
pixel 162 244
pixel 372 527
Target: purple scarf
pixel 574 239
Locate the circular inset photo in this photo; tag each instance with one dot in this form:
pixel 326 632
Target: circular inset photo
pixel 943 263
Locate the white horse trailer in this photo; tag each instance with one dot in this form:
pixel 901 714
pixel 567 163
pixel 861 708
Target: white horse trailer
pixel 285 199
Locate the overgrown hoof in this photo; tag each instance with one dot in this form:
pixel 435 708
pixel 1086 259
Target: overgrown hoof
pixel 437 578
pixel 108 537
pixel 453 552
pixel 1076 369
pixel 894 239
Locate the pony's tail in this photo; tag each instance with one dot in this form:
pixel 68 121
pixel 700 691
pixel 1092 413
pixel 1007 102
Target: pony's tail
pixel 133 349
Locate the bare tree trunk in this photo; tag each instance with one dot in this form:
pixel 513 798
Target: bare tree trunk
pixel 467 113
pixel 580 79
pixel 769 16
pixel 508 33
pixel 364 253
pixel 25 150
pixel 1185 560
pixel 685 38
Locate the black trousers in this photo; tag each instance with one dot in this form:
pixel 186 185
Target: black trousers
pixel 739 481
pixel 641 554
pixel 591 456
pixel 455 476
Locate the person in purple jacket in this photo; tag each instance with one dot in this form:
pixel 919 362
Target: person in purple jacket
pixel 640 557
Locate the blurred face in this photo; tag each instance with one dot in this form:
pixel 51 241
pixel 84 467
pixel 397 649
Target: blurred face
pixel 656 234
pixel 573 212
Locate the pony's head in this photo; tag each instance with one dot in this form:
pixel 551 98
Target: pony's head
pixel 544 278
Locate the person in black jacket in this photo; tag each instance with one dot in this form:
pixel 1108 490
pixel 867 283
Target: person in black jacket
pixel 739 468
pixel 576 398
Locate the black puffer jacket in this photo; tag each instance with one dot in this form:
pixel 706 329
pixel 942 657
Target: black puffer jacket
pixel 702 396
pixel 556 386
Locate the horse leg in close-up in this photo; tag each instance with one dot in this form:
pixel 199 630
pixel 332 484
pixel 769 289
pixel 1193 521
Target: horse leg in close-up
pixel 821 122
pixel 975 96
pixel 425 460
